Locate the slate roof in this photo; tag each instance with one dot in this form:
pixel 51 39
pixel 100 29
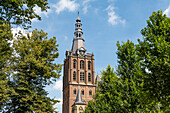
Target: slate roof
pixel 79 99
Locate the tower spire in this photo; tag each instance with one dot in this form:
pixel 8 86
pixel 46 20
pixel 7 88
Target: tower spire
pixel 78 40
pixel 79 98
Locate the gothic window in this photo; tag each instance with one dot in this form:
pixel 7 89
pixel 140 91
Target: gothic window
pixel 90 93
pixel 89 65
pixel 74 63
pixel 89 77
pixel 81 76
pixel 74 92
pixel 82 92
pixel 79 35
pixel 74 76
pixel 76 35
pixel 81 64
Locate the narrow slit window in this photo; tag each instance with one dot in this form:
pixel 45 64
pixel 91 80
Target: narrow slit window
pixel 90 93
pixel 89 65
pixel 81 64
pixel 89 77
pixel 74 76
pixel 74 92
pixel 74 63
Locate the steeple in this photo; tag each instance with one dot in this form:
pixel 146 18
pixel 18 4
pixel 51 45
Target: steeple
pixel 78 74
pixel 78 40
pixel 79 98
pixel 78 19
pixel 79 105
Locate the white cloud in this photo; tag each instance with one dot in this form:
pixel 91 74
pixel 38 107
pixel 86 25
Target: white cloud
pixel 16 30
pixel 167 11
pixel 86 5
pixel 86 1
pixel 114 19
pixel 61 101
pixel 85 8
pixel 58 85
pixel 15 35
pixel 40 13
pixel 21 30
pixel 59 105
pixel 69 5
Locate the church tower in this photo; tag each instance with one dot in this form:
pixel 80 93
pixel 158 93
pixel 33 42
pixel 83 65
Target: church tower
pixel 79 74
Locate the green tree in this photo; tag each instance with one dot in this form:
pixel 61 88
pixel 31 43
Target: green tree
pixel 144 71
pixel 5 61
pixel 120 93
pixel 20 11
pixel 23 78
pixel 108 95
pixel 34 68
pixel 129 69
pixel 154 50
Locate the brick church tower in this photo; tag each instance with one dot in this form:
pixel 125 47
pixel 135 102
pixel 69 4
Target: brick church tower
pixel 79 74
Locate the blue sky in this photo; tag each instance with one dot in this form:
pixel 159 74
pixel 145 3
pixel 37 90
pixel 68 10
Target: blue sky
pixel 104 23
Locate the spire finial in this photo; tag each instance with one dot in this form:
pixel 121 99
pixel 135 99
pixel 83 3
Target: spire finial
pixel 78 19
pixel 78 13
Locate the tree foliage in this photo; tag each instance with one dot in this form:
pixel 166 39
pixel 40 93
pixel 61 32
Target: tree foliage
pixel 155 54
pixel 107 98
pixel 144 71
pixel 5 60
pixel 27 62
pixel 120 93
pixel 20 11
pixel 129 70
pixel 34 68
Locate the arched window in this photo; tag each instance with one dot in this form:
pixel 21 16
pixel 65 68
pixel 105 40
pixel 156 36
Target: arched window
pixel 79 35
pixel 74 63
pixel 81 76
pixel 89 77
pixel 74 92
pixel 89 65
pixel 74 76
pixel 90 93
pixel 82 92
pixel 81 64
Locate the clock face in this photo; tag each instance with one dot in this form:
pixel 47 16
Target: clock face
pixel 81 53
